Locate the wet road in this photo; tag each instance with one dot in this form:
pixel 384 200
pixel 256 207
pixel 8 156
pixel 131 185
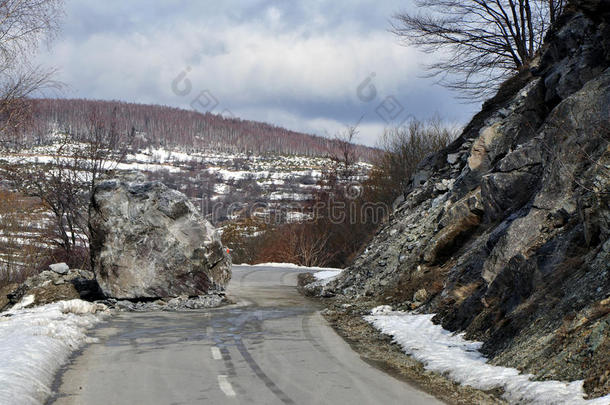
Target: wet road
pixel 273 347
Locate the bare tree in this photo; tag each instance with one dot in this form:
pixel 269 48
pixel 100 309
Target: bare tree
pixel 303 243
pixel 555 9
pixel 403 149
pixel 308 246
pixel 65 183
pixel 343 152
pixel 105 146
pixel 480 42
pixel 24 26
pixel 182 128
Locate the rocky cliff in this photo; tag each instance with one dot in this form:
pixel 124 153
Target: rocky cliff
pixel 149 241
pixel 504 234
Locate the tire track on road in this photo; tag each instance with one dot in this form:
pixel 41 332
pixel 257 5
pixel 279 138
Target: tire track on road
pixel 281 395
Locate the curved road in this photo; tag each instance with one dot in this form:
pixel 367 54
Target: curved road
pixel 273 347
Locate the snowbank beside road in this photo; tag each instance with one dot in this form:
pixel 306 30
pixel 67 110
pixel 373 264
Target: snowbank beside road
pixel 325 276
pixel 35 343
pixel 291 266
pixel 322 275
pixel 443 352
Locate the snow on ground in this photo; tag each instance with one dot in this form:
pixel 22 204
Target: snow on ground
pixel 296 266
pixel 327 274
pixel 36 342
pixel 323 275
pixel 147 167
pixel 444 352
pixel 297 216
pixel 281 196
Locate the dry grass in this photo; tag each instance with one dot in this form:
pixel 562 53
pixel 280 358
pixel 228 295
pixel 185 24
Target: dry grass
pixel 24 237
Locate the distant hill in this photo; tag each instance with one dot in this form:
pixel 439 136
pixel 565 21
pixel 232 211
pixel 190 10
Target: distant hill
pixel 162 126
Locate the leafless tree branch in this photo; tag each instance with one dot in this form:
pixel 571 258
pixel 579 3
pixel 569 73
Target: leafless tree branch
pixel 481 42
pixel 25 25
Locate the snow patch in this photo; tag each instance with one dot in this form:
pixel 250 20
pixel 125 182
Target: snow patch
pixel 35 343
pixel 442 352
pixel 323 275
pixel 24 303
pixel 327 274
pixel 291 266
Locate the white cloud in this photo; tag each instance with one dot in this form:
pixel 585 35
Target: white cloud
pixel 256 61
pixel 259 68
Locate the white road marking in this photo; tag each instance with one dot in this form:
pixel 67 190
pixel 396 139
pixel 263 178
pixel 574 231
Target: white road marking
pixel 225 385
pixel 216 355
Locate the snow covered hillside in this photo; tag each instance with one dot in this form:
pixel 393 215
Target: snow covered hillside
pixel 225 185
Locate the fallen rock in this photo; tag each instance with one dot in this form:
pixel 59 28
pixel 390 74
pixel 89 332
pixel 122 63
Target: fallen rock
pixel 4 292
pixel 420 295
pixel 452 158
pixel 53 293
pixel 149 241
pixel 60 268
pixel 49 286
pixel 183 303
pixel 16 294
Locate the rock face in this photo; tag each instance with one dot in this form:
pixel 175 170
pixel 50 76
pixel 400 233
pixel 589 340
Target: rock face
pixel 149 241
pixel 507 229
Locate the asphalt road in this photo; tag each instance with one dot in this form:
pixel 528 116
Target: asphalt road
pixel 273 347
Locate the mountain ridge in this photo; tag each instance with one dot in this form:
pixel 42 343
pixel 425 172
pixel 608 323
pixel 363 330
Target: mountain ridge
pixel 159 125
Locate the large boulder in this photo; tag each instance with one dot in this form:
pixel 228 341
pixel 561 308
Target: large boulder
pixel 149 241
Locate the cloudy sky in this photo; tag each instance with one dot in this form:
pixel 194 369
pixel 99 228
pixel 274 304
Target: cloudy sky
pixel 312 66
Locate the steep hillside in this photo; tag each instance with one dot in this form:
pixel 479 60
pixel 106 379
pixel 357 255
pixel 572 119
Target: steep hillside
pixel 156 125
pixel 504 234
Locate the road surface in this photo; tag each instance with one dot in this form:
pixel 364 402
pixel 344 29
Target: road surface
pixel 273 347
